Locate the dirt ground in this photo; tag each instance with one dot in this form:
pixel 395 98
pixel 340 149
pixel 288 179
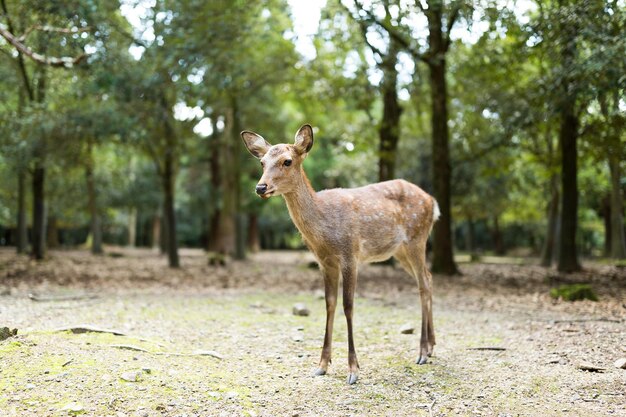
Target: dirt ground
pixel 222 341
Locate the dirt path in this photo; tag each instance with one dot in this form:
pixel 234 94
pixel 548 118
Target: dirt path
pixel 243 313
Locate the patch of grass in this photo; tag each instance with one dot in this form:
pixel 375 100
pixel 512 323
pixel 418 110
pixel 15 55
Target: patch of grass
pixel 574 292
pixel 10 347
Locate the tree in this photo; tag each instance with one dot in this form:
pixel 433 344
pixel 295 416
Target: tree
pixel 441 17
pixel 47 36
pixel 386 60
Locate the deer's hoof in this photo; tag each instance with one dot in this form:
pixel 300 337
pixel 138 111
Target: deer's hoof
pixel 319 372
pixel 421 360
pixel 352 378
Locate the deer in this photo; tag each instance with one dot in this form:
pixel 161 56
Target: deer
pixel 345 228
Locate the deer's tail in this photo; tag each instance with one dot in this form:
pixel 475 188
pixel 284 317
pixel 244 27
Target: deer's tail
pixel 436 211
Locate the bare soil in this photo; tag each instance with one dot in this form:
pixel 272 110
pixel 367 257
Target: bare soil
pixel 242 313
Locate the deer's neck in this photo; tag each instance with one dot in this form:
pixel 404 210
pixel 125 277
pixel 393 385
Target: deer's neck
pixel 303 206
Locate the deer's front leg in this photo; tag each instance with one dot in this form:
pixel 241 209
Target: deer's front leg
pixel 331 284
pixel 349 273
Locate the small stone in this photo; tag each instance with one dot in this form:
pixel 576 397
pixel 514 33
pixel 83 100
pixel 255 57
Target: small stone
pixel 407 329
pixel 132 376
pixel 74 408
pixel 30 386
pixel 586 366
pixel 147 370
pixel 5 333
pixel 231 395
pixel 620 363
pixel 319 294
pixel 297 338
pixel 300 309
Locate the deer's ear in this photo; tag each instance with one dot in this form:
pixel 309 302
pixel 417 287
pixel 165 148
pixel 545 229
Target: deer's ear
pixel 304 139
pixel 255 143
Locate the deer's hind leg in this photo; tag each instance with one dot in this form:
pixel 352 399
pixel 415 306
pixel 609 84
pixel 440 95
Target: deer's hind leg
pixel 412 257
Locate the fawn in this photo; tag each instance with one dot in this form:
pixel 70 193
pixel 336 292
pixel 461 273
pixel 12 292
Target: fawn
pixel 345 227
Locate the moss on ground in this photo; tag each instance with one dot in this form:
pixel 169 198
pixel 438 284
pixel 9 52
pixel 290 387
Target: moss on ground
pixel 574 292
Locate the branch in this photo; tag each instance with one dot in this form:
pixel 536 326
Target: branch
pixel 363 28
pixel 127 35
pixel 420 5
pixel 65 62
pixel 454 15
pixel 52 29
pixel 418 56
pixel 20 57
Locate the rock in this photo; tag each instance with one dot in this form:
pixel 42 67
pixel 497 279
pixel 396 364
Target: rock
pixel 407 329
pixel 211 353
pixel 74 408
pixel 231 395
pixel 620 363
pixel 586 366
pixel 132 376
pixel 147 370
pixel 300 309
pixel 5 333
pixel 297 338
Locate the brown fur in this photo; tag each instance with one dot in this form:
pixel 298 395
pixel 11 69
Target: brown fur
pixel 346 227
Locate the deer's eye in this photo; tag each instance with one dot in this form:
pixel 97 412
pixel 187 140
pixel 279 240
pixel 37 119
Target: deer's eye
pixel 287 162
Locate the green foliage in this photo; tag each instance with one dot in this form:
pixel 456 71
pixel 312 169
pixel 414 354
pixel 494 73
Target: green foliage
pixel 574 292
pixel 116 110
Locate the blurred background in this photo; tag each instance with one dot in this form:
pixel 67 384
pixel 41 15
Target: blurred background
pixel 120 120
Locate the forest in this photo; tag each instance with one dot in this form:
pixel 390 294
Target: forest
pixel 123 169
pixel 511 115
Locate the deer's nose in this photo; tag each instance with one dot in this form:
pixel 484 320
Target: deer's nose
pixel 261 189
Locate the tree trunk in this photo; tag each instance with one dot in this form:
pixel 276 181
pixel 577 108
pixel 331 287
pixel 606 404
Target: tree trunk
pixel 240 228
pixel 254 243
pixel 389 131
pixel 443 258
pixel 226 234
pixel 568 255
pixel 163 239
pixel 92 203
pixel 605 212
pixel 39 176
pixel 470 236
pixel 132 227
pixel 22 227
pixel 568 136
pixel 168 209
pixel 547 254
pixel 39 212
pixel 618 240
pixel 216 181
pixel 52 232
pixel 156 231
pixel 498 242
